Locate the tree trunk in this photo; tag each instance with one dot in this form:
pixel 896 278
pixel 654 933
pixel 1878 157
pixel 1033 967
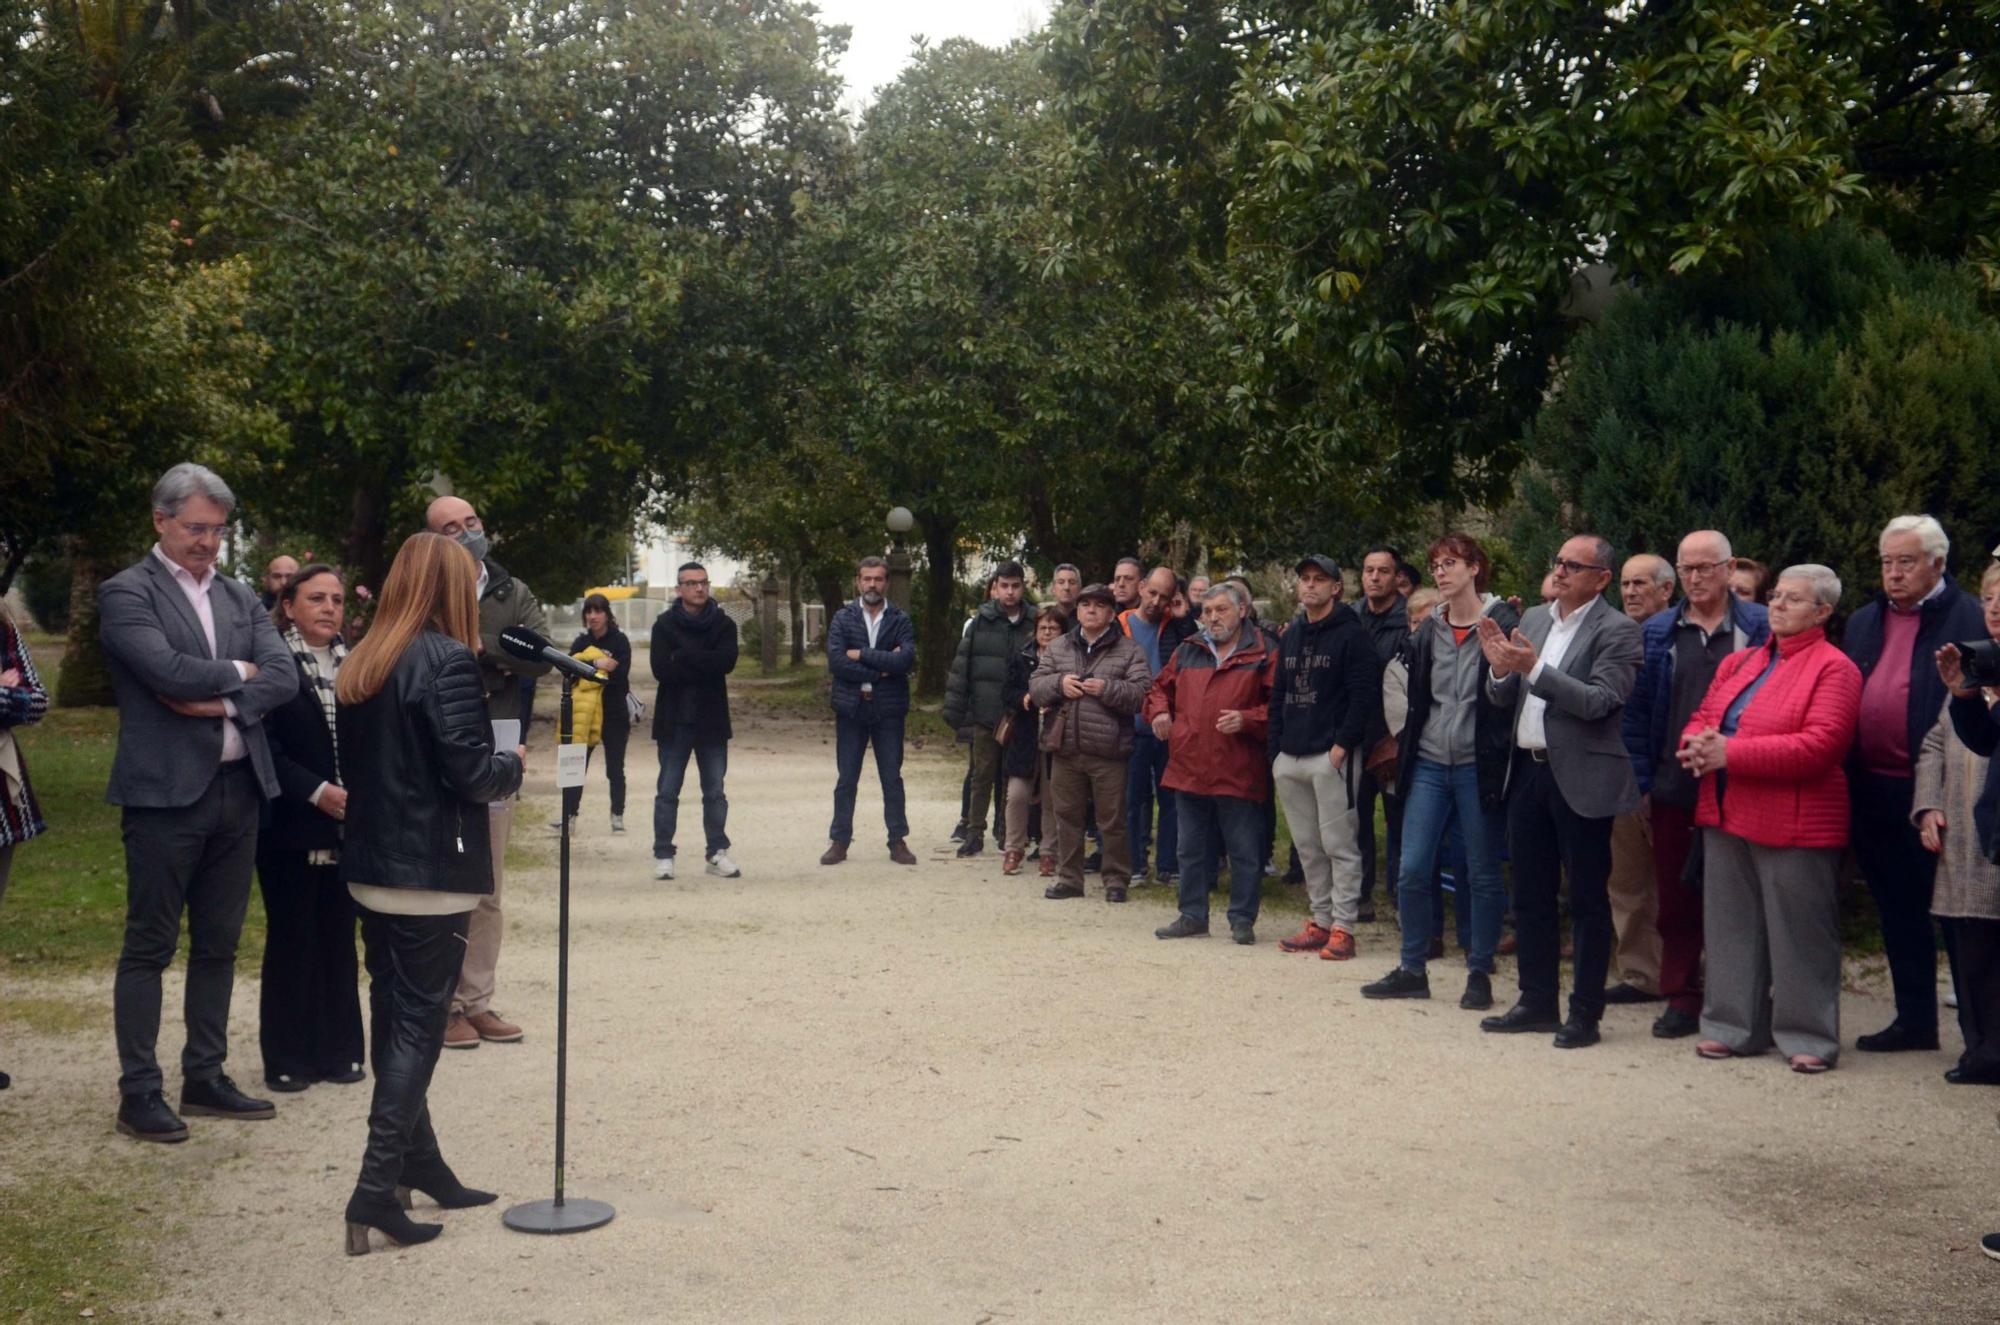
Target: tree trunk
pixel 832 592
pixel 86 677
pixel 798 609
pixel 365 544
pixel 938 642
pixel 17 557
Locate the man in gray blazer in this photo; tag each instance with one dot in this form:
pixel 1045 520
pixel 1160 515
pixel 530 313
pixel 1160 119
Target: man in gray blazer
pixel 196 664
pixel 1565 673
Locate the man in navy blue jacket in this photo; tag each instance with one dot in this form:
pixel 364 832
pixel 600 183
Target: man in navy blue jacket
pixel 871 649
pixel 1682 648
pixel 1894 641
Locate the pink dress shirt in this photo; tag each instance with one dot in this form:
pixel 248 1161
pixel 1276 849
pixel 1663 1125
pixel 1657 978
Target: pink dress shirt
pixel 233 747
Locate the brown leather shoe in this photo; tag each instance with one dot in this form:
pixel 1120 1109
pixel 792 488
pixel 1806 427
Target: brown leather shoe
pixel 899 851
pixel 458 1033
pixel 492 1026
pixel 1011 862
pixel 1507 945
pixel 834 854
pixel 1048 865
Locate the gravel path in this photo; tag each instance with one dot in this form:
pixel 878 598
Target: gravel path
pixel 871 1093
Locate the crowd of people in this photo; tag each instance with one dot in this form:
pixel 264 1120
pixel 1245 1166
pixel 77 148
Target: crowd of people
pixel 1687 768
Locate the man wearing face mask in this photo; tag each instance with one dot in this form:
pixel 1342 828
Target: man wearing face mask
pixel 503 602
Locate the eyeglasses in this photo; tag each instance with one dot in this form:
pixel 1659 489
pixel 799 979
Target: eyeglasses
pixel 202 530
pixel 1687 568
pixel 694 584
pixel 1445 563
pixel 1564 566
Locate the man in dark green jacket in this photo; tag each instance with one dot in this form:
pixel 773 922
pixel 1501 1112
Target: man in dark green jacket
pixel 1000 629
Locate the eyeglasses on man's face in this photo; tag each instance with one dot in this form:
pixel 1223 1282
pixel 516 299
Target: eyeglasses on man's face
pixel 202 530
pixel 1564 566
pixel 1691 569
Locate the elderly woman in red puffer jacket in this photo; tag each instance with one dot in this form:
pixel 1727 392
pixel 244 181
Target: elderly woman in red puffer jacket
pixel 1767 744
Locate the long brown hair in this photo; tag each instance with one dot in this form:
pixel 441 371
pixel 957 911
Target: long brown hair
pixel 432 583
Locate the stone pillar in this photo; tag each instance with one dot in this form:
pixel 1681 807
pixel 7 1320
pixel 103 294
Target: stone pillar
pixel 767 622
pixel 899 576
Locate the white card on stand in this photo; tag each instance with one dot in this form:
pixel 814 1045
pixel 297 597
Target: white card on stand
pixel 571 763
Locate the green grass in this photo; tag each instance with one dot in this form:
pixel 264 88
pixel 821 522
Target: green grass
pixel 71 1242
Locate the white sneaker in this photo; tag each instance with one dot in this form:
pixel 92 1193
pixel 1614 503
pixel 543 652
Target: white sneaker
pixel 664 869
pixel 722 867
pixel 617 823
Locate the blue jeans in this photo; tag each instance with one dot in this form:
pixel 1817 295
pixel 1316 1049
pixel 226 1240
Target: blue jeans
pixel 1142 781
pixel 1210 826
pixel 1437 794
pixel 852 737
pixel 711 758
pixel 1451 861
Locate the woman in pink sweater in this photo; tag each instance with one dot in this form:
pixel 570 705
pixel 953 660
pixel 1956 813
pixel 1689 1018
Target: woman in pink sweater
pixel 1767 744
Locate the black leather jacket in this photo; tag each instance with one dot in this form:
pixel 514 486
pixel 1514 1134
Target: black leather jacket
pixel 420 767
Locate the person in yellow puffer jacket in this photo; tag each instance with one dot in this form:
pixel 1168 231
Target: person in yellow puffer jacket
pixel 586 722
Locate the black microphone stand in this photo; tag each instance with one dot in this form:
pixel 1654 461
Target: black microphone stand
pixel 560 1215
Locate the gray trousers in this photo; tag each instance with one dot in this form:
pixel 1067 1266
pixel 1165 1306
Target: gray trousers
pixel 194 859
pixel 1319 808
pixel 1771 921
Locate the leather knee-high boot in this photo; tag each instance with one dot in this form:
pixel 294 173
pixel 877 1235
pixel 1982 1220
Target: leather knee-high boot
pixel 413 965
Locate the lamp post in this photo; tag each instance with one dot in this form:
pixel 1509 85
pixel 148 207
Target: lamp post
pixel 899 522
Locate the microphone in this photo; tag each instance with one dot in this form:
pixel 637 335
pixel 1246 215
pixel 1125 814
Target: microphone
pixel 525 643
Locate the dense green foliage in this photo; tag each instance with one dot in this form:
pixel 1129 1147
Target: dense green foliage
pixel 1795 409
pixel 1215 282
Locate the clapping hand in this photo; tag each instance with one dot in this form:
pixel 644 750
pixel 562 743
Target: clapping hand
pixel 1503 653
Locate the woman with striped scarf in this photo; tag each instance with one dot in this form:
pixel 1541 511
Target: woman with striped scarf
pixel 311 1006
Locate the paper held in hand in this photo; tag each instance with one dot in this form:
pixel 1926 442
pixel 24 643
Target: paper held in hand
pixel 571 763
pixel 506 733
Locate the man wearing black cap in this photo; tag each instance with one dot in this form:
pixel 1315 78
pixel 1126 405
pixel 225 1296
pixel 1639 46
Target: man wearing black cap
pixel 1327 698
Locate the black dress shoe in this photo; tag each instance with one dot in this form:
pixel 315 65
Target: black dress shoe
pixel 1182 928
pixel 1399 983
pixel 1959 1076
pixel 346 1076
pixel 1673 1024
pixel 220 1099
pixel 1478 995
pixel 1576 1033
pixel 1897 1039
pixel 146 1117
pixel 1242 932
pixel 1520 1020
pixel 286 1083
pixel 1056 892
pixel 1113 893
pixel 975 842
pixel 1625 993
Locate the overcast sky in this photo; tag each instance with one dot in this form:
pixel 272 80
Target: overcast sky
pixel 880 46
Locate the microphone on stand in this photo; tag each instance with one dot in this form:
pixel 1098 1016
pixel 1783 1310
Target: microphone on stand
pixel 525 643
pixel 559 1214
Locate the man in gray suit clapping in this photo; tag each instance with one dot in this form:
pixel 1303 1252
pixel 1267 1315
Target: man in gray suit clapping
pixel 1565 674
pixel 196 664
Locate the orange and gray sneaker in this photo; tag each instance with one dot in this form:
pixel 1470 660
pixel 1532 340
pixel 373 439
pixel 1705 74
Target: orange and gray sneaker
pixel 1339 946
pixel 1311 938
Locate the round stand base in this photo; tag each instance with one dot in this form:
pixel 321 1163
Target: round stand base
pixel 574 1215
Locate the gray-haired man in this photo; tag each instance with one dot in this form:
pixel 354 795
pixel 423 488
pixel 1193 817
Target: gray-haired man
pixel 196 664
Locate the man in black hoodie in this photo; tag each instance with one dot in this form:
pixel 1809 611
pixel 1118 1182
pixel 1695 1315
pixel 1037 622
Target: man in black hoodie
pixel 694 651
pixel 1327 697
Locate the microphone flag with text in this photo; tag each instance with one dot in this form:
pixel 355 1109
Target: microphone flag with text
pixel 525 643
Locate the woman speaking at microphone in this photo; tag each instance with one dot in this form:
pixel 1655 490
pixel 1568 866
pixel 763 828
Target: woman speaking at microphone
pixel 417 754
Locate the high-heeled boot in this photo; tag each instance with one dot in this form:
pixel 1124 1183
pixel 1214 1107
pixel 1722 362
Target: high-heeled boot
pixel 397 1103
pixel 424 1170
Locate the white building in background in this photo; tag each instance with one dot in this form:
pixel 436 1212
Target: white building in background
pixel 660 554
